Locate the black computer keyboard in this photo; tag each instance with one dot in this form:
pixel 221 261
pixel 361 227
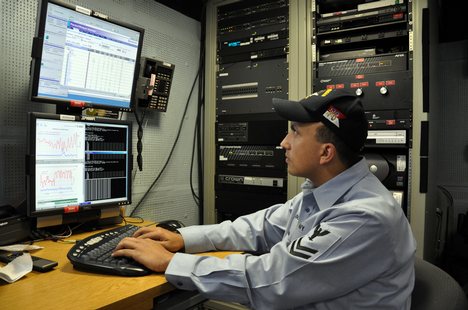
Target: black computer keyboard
pixel 94 254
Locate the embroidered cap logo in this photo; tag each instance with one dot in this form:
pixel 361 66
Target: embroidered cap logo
pixel 334 115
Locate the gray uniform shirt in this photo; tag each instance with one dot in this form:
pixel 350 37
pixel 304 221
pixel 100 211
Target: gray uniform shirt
pixel 344 245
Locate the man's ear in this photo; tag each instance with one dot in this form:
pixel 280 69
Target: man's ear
pixel 328 153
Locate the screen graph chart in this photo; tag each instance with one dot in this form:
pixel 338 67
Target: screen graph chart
pixel 60 163
pixel 56 140
pixel 80 163
pixel 59 185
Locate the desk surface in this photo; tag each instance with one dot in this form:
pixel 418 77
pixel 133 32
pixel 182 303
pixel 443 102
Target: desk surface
pixel 67 288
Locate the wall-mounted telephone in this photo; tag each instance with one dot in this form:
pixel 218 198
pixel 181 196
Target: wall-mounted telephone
pixel 157 77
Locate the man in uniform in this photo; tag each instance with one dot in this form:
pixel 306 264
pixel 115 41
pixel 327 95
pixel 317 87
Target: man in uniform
pixel 342 243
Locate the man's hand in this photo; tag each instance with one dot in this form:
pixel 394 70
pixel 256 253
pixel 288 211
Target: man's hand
pixel 147 252
pixel 169 240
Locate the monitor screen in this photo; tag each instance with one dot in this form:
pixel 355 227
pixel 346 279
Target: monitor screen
pixel 77 164
pixel 83 58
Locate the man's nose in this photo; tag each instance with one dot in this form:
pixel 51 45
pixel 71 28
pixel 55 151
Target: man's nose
pixel 284 144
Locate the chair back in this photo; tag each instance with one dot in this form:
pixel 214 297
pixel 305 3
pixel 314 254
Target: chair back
pixel 435 289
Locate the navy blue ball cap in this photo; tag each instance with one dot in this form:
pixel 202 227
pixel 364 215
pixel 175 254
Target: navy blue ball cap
pixel 338 109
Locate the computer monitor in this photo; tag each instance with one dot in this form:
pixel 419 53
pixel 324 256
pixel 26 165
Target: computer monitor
pixel 82 58
pixel 78 168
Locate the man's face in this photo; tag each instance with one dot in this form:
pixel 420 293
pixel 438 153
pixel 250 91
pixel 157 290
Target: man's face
pixel 303 151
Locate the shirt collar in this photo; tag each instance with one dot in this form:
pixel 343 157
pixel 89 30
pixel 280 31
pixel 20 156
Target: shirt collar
pixel 328 193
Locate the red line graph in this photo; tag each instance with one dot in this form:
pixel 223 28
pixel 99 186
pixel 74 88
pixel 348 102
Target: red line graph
pixel 65 146
pixel 61 177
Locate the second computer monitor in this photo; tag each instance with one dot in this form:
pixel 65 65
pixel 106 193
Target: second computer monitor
pixel 78 166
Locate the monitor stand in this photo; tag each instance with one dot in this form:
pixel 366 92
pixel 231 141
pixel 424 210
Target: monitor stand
pixel 65 109
pixel 87 220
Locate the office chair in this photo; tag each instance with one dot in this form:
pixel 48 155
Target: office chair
pixel 434 289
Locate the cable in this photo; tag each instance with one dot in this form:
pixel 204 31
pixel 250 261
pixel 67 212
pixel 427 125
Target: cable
pixel 197 132
pixel 139 220
pixel 197 136
pixel 43 234
pixel 196 198
pixel 140 137
pixel 200 114
pixel 173 146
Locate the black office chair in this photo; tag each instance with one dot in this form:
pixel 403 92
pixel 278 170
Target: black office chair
pixel 434 289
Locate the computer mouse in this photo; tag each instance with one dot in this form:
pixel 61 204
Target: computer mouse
pixel 171 225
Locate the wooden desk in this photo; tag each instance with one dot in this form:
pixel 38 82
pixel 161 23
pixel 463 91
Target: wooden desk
pixel 67 288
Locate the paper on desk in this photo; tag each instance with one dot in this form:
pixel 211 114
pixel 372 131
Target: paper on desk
pixel 17 268
pixel 20 247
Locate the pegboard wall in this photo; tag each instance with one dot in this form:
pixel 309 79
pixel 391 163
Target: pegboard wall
pixel 170 37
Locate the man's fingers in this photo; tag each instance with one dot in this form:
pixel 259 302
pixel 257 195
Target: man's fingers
pixel 148 232
pixel 127 243
pixel 144 235
pixel 124 252
pixel 141 231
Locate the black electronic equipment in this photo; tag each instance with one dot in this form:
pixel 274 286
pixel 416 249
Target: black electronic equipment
pixel 270 157
pixel 155 86
pixel 252 132
pixel 229 206
pixel 14 227
pixel 248 87
pixel 377 91
pixel 368 37
pixel 78 168
pixel 366 47
pixel 389 166
pixel 251 15
pixel 258 46
pixel 375 64
pixel 389 119
pixel 39 264
pixel 93 253
pixel 382 16
pixel 253 43
pixel 82 58
pixel 6 211
pixel 252 30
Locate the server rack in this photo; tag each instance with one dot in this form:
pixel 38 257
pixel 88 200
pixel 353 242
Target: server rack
pixel 252 68
pixel 366 47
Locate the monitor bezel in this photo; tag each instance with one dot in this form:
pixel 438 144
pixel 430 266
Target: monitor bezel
pixel 31 165
pixel 37 54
